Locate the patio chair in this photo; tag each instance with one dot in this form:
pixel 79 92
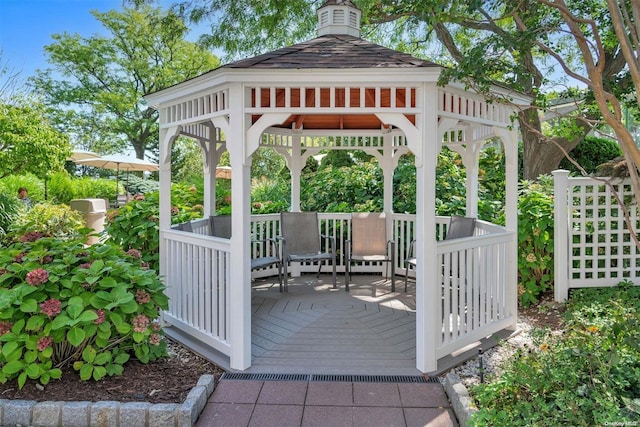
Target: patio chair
pixel 369 244
pixel 265 253
pixel 220 226
pixel 459 226
pixel 301 242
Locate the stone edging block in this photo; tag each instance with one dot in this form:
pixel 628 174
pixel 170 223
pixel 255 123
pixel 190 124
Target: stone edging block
pixel 461 402
pixel 108 413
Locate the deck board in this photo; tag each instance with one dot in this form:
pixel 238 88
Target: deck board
pixel 316 329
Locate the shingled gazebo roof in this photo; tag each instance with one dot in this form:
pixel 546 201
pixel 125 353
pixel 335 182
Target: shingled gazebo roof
pixel 332 51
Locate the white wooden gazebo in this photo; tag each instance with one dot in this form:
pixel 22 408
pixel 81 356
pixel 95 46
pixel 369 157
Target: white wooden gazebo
pixel 337 91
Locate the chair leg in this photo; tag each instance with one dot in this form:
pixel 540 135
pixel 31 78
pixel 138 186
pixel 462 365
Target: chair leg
pixel 347 275
pixel 285 275
pixel 280 276
pixel 334 272
pixel 393 278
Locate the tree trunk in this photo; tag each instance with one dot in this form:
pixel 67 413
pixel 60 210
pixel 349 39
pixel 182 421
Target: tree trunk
pixel 541 155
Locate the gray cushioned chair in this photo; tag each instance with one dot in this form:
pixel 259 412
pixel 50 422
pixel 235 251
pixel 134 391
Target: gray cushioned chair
pixel 302 242
pixel 369 243
pixel 459 226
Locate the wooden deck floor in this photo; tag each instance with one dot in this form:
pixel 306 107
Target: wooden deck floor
pixel 316 329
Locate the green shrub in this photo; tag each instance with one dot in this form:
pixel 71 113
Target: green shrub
pixel 10 207
pixel 535 239
pixel 591 153
pixel 136 185
pixel 134 226
pixel 269 196
pixel 62 303
pixel 49 220
pixel 34 185
pixel 588 375
pixel 327 191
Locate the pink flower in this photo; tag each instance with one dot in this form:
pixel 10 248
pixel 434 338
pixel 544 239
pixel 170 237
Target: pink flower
pixel 51 307
pixel 138 197
pixel 134 253
pixel 155 326
pixel 5 326
pixel 101 317
pixel 47 259
pixel 140 323
pixel 44 342
pixel 86 265
pixel 37 277
pixel 142 296
pixel 18 258
pixel 144 265
pixel 174 210
pixel 154 339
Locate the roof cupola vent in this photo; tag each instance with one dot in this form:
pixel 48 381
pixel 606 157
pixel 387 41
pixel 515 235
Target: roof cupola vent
pixel 339 17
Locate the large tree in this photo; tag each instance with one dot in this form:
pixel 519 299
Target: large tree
pixel 95 88
pixel 28 142
pixel 482 42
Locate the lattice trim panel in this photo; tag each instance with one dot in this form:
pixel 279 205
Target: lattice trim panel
pixel 600 245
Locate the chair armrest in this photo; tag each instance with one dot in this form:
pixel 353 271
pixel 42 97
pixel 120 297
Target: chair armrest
pixel 391 249
pixel 271 241
pixel 411 248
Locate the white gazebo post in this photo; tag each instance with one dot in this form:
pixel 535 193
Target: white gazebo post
pixel 240 278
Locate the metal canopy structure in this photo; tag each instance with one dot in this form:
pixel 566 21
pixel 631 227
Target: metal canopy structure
pixel 336 91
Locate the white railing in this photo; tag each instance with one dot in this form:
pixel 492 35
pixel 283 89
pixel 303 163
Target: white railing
pixel 592 244
pixel 197 280
pixel 474 287
pixel 475 301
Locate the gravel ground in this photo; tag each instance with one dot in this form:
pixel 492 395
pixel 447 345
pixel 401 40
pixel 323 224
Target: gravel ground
pixel 547 314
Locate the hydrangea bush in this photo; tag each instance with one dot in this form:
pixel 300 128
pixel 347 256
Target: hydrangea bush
pixel 62 303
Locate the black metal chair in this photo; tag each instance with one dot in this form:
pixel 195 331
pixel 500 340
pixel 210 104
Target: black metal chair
pixel 302 242
pixel 265 253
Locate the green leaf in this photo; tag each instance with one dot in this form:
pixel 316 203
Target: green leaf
pixel 18 326
pixel 108 282
pixel 96 266
pixel 35 322
pixel 89 354
pixel 138 337
pixel 129 307
pixel 9 348
pixel 99 372
pixel 47 352
pixel 30 356
pixel 29 306
pixel 44 378
pixel 55 373
pixel 122 358
pixel 60 321
pixel 75 336
pixel 103 358
pixel 22 379
pixel 85 372
pixel 13 367
pixel 32 370
pixel 75 307
pixel 88 316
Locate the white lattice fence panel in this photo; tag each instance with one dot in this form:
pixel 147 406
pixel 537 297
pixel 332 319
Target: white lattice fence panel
pixel 601 250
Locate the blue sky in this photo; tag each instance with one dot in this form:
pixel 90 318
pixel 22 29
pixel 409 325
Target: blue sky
pixel 26 27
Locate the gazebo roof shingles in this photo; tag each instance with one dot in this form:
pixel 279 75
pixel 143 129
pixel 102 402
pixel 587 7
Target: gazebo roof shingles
pixel 332 51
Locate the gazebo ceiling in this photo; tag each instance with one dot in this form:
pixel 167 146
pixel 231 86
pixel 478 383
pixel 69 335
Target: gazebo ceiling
pixel 337 97
pixel 332 121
